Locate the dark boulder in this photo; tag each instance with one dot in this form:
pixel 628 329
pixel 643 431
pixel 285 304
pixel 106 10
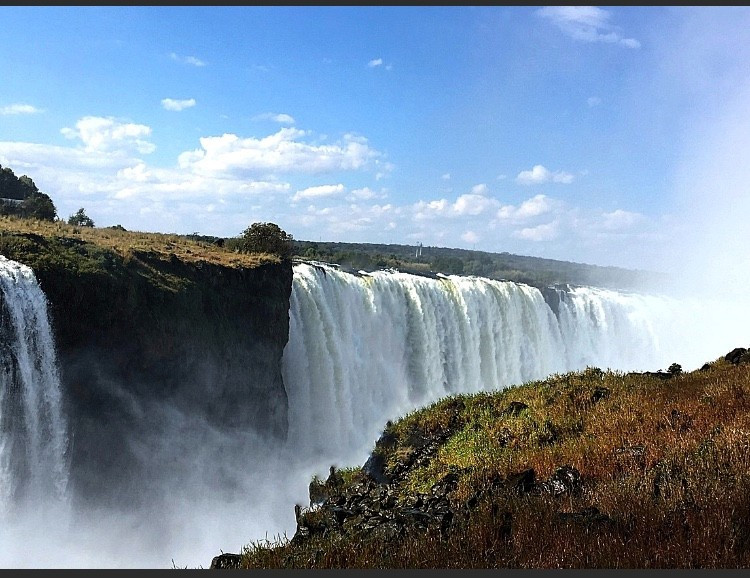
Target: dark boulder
pixel 374 468
pixel 226 561
pixel 737 355
pixel 565 480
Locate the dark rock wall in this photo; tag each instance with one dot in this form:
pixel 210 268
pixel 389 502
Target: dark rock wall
pixel 191 338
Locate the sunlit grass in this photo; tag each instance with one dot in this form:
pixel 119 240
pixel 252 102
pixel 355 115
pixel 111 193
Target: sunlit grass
pixel 126 243
pixel 666 463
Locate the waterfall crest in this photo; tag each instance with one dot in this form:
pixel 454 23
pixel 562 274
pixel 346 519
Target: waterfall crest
pixel 366 348
pixel 33 435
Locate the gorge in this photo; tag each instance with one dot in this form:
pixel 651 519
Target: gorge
pixel 197 400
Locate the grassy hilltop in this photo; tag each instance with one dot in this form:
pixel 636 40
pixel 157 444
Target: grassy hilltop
pixel 590 469
pixel 92 244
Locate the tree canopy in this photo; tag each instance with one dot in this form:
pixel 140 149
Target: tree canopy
pixel 20 196
pixel 265 238
pixel 80 219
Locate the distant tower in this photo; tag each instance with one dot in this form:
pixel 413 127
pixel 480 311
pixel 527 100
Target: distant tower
pixel 418 254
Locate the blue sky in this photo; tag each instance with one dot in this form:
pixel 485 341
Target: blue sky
pixel 606 135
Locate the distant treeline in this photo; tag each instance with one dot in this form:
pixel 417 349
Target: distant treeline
pixel 535 271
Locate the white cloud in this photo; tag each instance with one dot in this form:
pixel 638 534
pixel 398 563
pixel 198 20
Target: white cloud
pixel 319 191
pixel 446 177
pixel 192 60
pixel 472 204
pixel 282 152
pixel 593 101
pixel 544 232
pixel 469 204
pixel 172 104
pixel 107 134
pixel 620 219
pixel 533 207
pixel 539 174
pixel 470 237
pixel 19 108
pixel 365 194
pixel 376 62
pixel 281 118
pixel 586 23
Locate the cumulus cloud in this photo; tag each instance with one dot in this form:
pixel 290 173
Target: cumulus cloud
pixel 586 24
pixel 319 191
pixel 284 151
pixel 172 104
pixel 281 118
pixel 108 134
pixel 469 204
pixel 13 109
pixel 472 204
pixel 470 237
pixel 544 232
pixel 533 207
pixel 539 174
pixel 192 60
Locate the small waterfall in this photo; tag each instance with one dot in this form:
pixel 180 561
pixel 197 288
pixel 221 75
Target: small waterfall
pixel 33 438
pixel 366 348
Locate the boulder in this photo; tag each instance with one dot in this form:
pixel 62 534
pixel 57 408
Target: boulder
pixel 226 561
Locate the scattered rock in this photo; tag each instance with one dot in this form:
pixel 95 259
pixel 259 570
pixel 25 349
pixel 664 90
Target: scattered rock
pixel 226 561
pixel 565 480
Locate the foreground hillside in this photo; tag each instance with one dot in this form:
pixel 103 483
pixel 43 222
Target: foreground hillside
pixel 590 469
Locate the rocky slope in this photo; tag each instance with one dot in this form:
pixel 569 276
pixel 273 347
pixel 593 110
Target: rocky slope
pixel 590 469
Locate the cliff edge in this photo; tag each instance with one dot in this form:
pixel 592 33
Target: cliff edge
pixel 164 327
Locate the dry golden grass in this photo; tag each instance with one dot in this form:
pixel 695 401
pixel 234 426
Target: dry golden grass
pixel 666 463
pixel 126 242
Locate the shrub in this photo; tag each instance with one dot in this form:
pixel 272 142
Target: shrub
pixel 80 219
pixel 266 238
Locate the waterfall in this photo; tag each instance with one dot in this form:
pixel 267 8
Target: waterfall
pixel 370 347
pixel 33 438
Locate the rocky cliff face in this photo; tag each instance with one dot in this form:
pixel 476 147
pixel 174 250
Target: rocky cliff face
pixel 143 341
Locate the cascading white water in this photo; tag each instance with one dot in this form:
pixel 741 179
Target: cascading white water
pixel 33 435
pixel 366 348
pixel 362 350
